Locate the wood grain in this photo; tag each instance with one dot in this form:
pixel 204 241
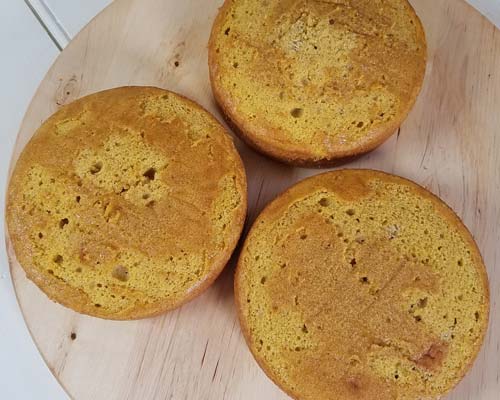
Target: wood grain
pixel 450 144
pixel 489 8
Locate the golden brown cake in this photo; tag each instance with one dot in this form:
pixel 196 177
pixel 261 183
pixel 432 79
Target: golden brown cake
pixel 127 203
pixel 359 285
pixel 310 82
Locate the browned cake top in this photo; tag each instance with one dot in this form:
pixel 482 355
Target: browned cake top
pixel 310 81
pixel 358 285
pixel 126 203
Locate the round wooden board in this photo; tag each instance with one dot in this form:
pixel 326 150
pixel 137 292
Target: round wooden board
pixel 450 144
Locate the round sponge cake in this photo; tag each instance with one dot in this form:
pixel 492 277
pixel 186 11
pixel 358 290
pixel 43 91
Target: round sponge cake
pixel 309 82
pixel 358 285
pixel 127 203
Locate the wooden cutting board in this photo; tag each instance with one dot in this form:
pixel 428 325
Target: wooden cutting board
pixel 450 144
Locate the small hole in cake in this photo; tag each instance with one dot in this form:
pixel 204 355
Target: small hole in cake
pixel 303 236
pixel 298 348
pixel 360 124
pixel 226 32
pixel 304 329
pixel 40 235
pixel 145 196
pixel 63 222
pixel 364 280
pixel 73 336
pixel 96 168
pixel 353 262
pixel 99 285
pixel 235 65
pixel 297 112
pixel 324 202
pixel 350 212
pixel 58 259
pixel 50 271
pixel 332 21
pixel 418 318
pixel 382 115
pixel 476 316
pixel 396 376
pixel 151 204
pixel 176 64
pixel 354 360
pixel 121 273
pixel 78 198
pixel 78 270
pixel 97 305
pixel 460 263
pixel 150 174
pixel 263 280
pixel 422 303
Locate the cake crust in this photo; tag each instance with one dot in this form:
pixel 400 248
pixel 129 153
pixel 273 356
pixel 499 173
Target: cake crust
pixel 375 309
pixel 310 83
pixel 127 203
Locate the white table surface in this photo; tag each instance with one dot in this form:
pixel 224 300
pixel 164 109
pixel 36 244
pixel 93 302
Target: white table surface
pixel 30 44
